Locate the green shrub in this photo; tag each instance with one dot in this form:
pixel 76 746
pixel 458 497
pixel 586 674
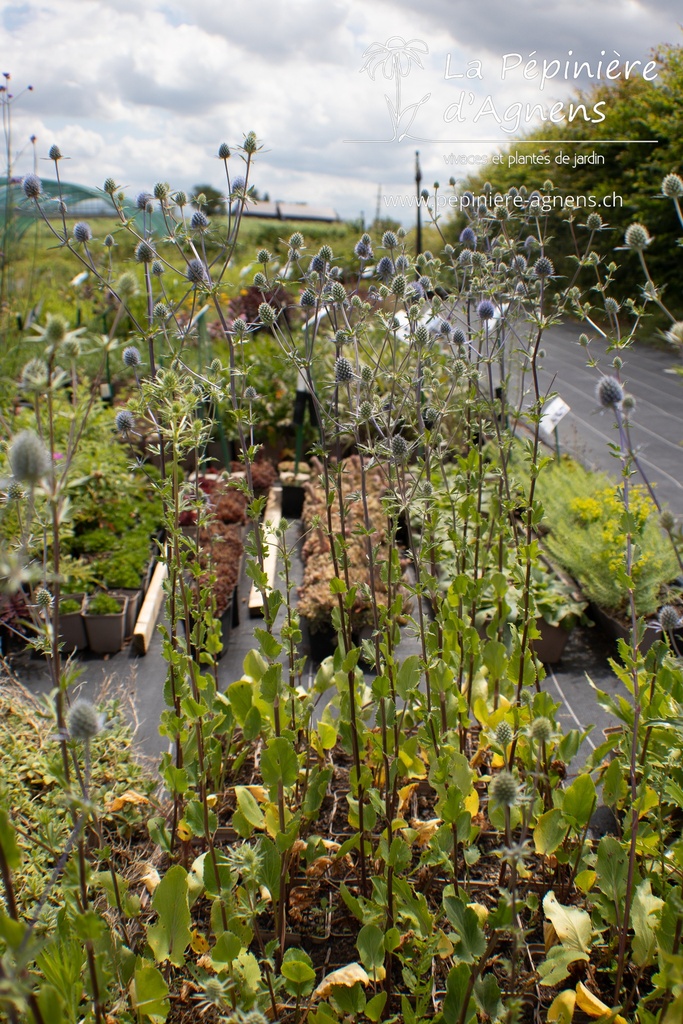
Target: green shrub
pixel 104 604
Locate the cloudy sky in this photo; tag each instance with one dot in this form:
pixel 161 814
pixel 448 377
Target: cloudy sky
pixel 146 90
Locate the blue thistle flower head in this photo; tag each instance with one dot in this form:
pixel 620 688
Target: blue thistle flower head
pixel 131 356
pixel 199 221
pixel 55 153
pixel 238 183
pixel 459 336
pixel 543 267
pixel 402 264
pixel 82 232
pixel 363 250
pixel 31 186
pixel 307 298
pixel 389 240
pixel 468 237
pixel 486 310
pixel 224 151
pixel 317 264
pixel 144 201
pixel 125 421
pixel 196 272
pixel 609 391
pixel 385 268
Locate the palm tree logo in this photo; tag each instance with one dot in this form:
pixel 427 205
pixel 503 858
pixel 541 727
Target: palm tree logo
pixel 396 58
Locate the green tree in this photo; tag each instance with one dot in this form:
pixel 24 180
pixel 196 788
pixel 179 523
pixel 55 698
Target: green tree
pixel 634 109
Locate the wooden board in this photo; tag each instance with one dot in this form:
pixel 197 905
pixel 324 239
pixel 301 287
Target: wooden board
pixel 272 515
pixel 149 613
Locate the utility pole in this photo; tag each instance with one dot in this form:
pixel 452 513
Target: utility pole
pixel 418 179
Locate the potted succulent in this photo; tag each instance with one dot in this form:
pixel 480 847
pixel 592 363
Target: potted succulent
pixel 105 619
pixel 71 625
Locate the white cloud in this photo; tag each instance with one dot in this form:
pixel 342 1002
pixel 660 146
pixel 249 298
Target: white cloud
pixel 146 92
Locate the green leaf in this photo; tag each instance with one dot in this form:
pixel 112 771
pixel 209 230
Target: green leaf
pixel 297 969
pixel 579 800
pixel 269 645
pixel 8 841
pixel 279 763
pixel 645 915
pixel 227 948
pixel 374 1006
pixel 612 869
pixel 555 968
pixel 171 935
pixel 408 676
pixel 573 926
pixel 550 830
pixel 370 943
pixel 249 807
pixel 456 993
pixel 337 586
pixel 151 993
pixel 470 940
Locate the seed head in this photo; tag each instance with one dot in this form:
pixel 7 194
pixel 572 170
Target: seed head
pixel 260 281
pixel 296 240
pixel 83 721
pixel 307 298
pixel 267 314
pixel 421 334
pixel 82 232
pixel 468 237
pixel 363 250
pixel 667 520
pixel 250 144
pixel 317 265
pixel 430 416
pixel 609 391
pixel 161 190
pixel 479 260
pixel 196 272
pixel 325 253
pixel 29 459
pixel 543 267
pixel 611 306
pixel 15 492
pixel 43 598
pixel 504 789
pixel 264 256
pixel 127 286
pixel 343 371
pixel 199 221
pixel 161 311
pixel 389 240
pixel 110 186
pixel 669 618
pixel 541 730
pixel 399 447
pixel 593 221
pixel 637 237
pixel 459 336
pixel 32 186
pixel 251 394
pixel 144 253
pixel 398 285
pixel 180 199
pixel 338 292
pixel 672 186
pixel 55 153
pixel 465 258
pixel 504 734
pixel 224 151
pixel 71 347
pixel 365 410
pixel 628 405
pixel 56 328
pixel 518 264
pixel 34 375
pixel 239 326
pixel 366 374
pixel 486 310
pixel 109 241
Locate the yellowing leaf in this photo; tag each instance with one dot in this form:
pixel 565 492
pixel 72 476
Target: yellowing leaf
pixel 345 976
pixel 585 880
pixel 593 1006
pixel 184 833
pixel 481 911
pixel 404 795
pixel 150 877
pixel 471 803
pixel 425 829
pixel 444 946
pixel 573 926
pixel 211 800
pixel 131 796
pixel 561 1009
pixel 259 793
pixel 198 942
pixel 497 761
